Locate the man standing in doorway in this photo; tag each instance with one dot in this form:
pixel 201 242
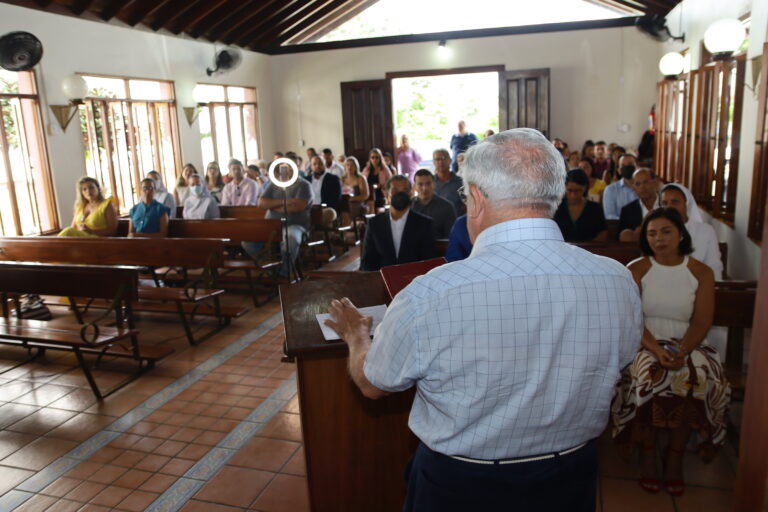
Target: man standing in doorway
pixel 460 143
pixel 513 364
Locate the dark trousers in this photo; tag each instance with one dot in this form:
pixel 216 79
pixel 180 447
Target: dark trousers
pixel 439 483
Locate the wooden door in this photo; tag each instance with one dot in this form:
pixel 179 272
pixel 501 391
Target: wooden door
pixel 366 109
pixel 524 99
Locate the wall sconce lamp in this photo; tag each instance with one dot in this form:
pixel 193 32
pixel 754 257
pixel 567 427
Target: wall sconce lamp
pixel 724 37
pixel 671 65
pixel 191 113
pixel 75 89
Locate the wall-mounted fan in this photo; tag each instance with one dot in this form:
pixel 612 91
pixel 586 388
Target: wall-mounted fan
pixel 226 60
pixel 655 26
pixel 20 51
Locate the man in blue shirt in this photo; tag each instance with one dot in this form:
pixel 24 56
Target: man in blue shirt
pixel 514 351
pixel 620 193
pixel 460 143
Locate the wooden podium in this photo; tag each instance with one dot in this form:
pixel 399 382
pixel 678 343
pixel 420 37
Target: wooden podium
pixel 356 448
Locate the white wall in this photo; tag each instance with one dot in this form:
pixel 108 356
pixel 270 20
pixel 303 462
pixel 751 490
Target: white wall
pixel 73 45
pixel 599 79
pixel 693 17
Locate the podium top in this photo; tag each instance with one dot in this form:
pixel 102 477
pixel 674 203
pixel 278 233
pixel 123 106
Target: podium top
pixel 300 303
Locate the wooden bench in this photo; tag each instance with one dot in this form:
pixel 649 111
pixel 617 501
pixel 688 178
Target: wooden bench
pixel 234 232
pixel 193 299
pixel 116 284
pixel 233 212
pixel 735 309
pixel 623 252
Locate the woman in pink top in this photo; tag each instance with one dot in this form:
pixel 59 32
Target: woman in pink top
pixel 408 159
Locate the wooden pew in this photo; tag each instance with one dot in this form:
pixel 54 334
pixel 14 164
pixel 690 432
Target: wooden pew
pixel 117 284
pixel 233 232
pixel 623 252
pixel 202 253
pixel 735 309
pixel 233 212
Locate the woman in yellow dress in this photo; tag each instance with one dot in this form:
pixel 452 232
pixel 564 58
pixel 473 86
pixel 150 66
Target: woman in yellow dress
pixel 95 215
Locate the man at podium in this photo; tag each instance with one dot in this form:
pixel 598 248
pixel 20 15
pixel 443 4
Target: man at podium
pixel 513 351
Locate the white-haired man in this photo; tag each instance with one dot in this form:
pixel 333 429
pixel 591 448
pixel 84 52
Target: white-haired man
pixel 514 351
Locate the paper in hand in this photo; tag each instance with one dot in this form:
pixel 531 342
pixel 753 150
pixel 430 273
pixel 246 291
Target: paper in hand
pixel 377 312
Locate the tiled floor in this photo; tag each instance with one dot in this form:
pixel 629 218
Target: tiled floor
pixel 214 427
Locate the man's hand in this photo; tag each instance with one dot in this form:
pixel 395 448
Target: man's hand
pixel 348 322
pixel 354 328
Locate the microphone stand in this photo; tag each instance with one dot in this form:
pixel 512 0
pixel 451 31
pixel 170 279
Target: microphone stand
pixel 292 271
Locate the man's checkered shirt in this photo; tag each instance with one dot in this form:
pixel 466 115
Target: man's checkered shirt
pixel 513 351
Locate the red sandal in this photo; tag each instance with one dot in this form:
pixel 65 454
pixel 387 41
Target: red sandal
pixel 675 486
pixel 649 484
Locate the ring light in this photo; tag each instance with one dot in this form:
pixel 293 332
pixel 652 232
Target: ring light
pixel 290 181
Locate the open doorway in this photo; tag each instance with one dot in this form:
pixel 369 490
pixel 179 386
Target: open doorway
pixel 428 108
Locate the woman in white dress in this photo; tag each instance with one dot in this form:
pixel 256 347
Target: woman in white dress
pixel 676 381
pixel 162 195
pixel 200 204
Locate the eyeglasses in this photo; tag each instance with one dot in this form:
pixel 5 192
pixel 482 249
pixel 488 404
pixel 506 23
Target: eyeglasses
pixel 148 187
pixel 462 191
pixel 440 158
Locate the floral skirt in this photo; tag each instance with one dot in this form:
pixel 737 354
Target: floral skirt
pixel 648 395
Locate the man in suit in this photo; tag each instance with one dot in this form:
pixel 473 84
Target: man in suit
pixel 632 215
pixel 326 187
pixel 398 235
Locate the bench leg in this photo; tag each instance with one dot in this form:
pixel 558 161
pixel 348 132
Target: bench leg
pixel 252 287
pixel 185 323
pixel 87 372
pixel 76 310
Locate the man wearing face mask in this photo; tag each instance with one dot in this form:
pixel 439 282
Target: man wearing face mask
pixel 619 194
pixel 326 187
pixel 398 235
pixel 242 190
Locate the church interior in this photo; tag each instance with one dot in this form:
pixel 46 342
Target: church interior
pixel 169 375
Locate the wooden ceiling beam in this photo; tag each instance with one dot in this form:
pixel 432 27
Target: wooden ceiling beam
pixel 286 23
pixel 111 9
pixel 142 9
pixel 197 14
pixel 278 38
pixel 80 6
pixel 620 6
pixel 222 13
pixel 333 20
pixel 275 12
pixel 170 11
pixel 236 21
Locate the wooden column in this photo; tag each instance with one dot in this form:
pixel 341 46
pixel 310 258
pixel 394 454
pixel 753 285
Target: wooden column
pixel 751 490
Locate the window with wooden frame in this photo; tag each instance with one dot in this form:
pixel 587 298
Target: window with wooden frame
pixel 229 125
pixel 129 128
pixel 719 93
pixel 757 205
pixel 27 201
pixel 672 157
